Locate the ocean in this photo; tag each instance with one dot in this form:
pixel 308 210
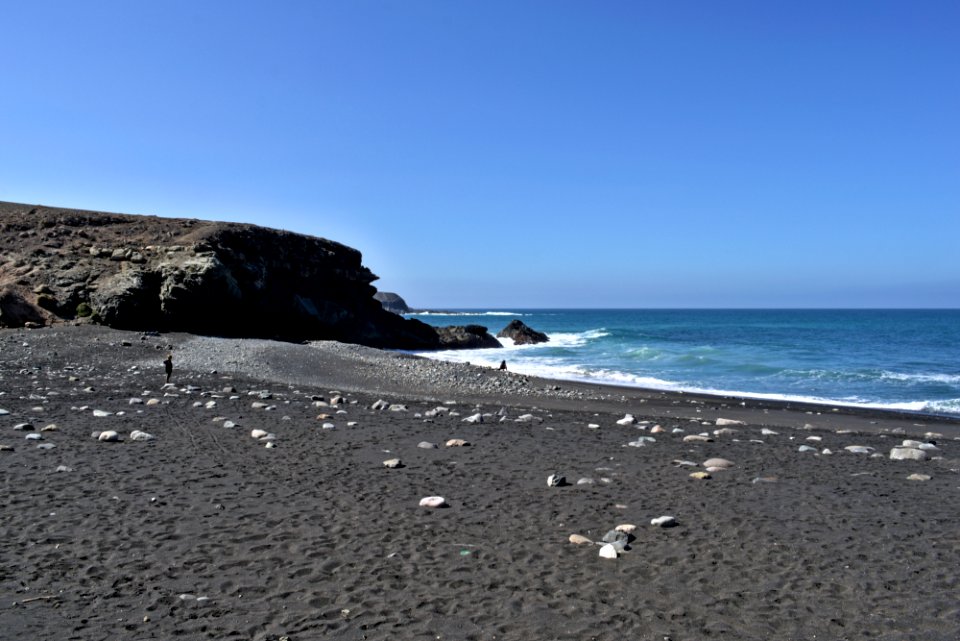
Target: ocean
pixel 893 359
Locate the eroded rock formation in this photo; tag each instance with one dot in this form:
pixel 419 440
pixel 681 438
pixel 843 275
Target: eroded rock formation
pixel 226 279
pixel 521 334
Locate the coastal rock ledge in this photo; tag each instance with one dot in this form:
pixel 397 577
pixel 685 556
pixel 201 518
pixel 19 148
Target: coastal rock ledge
pixel 521 334
pixel 222 279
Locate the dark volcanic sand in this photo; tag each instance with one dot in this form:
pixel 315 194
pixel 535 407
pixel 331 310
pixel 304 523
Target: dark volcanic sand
pixel 315 539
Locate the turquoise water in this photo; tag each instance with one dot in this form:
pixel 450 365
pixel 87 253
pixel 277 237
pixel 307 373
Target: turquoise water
pixel 897 359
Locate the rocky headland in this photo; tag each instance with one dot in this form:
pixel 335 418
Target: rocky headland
pixel 202 277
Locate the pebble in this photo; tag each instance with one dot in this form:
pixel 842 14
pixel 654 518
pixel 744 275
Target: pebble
pixel 585 481
pixel 579 539
pixel 701 475
pixel 392 463
pixel 270 445
pixel 629 528
pixel 615 536
pixel 919 477
pixel 398 408
pixel 229 424
pixel 765 479
pixel 682 463
pixel 608 552
pixel 657 429
pixel 807 448
pixel 137 435
pixel 474 419
pixel 433 501
pixel 153 401
pixel 46 446
pixel 697 438
pixel 858 449
pixel 6 448
pixel 108 437
pixel 556 480
pixel 135 401
pixel 457 442
pixel 908 454
pixel 728 421
pixel 725 431
pixel 101 413
pixel 49 428
pixel 33 436
pixel 593 426
pixel 328 426
pixel 768 432
pixel 427 445
pixel 23 427
pixel 664 521
pixel 63 468
pixel 627 420
pixel 258 433
pixel 718 463
pixel 4 412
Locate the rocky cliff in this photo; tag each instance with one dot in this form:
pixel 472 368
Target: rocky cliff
pixel 225 279
pixel 392 302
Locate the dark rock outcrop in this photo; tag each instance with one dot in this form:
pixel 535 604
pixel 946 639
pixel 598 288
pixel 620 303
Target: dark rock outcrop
pixel 392 302
pixel 521 334
pixel 225 279
pixel 466 337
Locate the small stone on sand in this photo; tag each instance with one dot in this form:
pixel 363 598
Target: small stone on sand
pixel 719 463
pixel 579 539
pixel 258 433
pixel 109 436
pixel 433 501
pixel 701 475
pixel 392 463
pixel 608 551
pixel 457 442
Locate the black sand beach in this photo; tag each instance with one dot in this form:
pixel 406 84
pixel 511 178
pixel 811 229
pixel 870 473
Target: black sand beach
pixel 204 532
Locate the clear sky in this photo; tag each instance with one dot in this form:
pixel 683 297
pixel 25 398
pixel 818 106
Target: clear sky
pixel 519 154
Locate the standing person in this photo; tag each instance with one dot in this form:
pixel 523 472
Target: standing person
pixel 168 366
pixel 503 365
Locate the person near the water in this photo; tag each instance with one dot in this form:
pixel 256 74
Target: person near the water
pixel 168 366
pixel 503 365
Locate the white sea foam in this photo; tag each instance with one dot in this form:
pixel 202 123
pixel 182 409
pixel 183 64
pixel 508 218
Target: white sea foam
pixel 949 379
pixel 428 313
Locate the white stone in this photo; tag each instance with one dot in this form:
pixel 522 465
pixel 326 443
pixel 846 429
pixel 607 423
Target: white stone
pixel 720 422
pixel 101 413
pixel 858 449
pixel 328 426
pixel 427 445
pixel 720 463
pixel 474 419
pixel 629 528
pixel 33 436
pixel 135 401
pixel 457 442
pixel 608 552
pixel 908 454
pixel 579 539
pixel 807 448
pixel 108 436
pixel 137 435
pixel 258 433
pixel 768 432
pixel 433 501
pixel 664 521
pixel 697 438
pixel 392 463
pixel 555 480
pixel 229 424
pixel 919 477
pixel 627 420
pixel 593 426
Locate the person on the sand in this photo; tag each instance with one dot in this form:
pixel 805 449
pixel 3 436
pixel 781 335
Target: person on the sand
pixel 503 365
pixel 168 366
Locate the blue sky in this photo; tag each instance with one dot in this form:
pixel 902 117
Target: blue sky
pixel 519 154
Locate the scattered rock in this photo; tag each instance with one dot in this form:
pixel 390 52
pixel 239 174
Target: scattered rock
pixel 629 528
pixel 474 419
pixel 858 449
pixel 908 454
pixel 258 434
pixel 721 422
pixel 101 413
pixel 717 464
pixel 457 442
pixel 579 539
pixel 556 480
pixel 664 521
pixel 137 435
pixel 427 445
pixel 393 463
pixel 433 501
pixel 627 420
pixel 23 427
pixel 521 334
pixel 608 552
pixel 701 475
pixel 919 477
pixel 697 438
pixel 108 436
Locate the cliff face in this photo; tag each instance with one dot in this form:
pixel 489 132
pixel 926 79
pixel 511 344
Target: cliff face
pixel 225 279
